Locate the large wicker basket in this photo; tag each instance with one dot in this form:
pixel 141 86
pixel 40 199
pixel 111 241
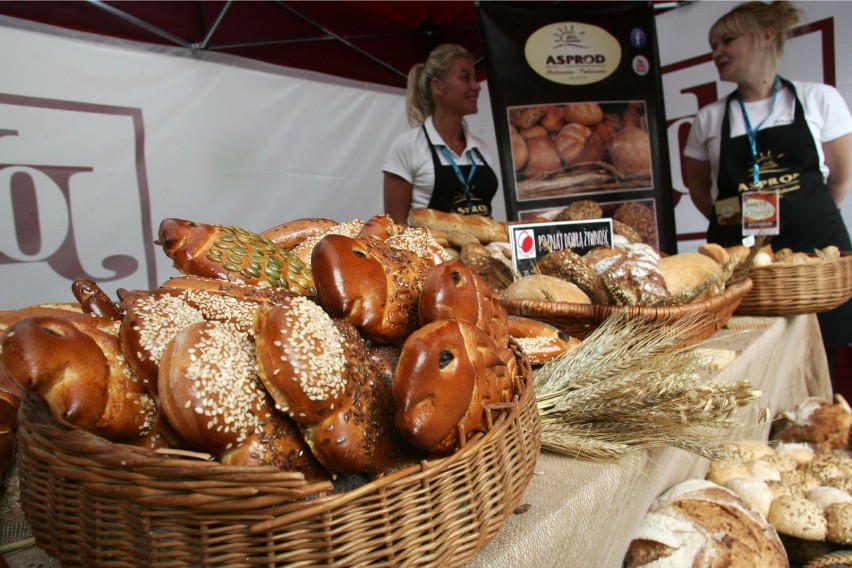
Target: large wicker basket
pixel 90 502
pixel 788 289
pixel 579 320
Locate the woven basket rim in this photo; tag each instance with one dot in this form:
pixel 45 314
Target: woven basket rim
pixel 790 289
pixel 599 312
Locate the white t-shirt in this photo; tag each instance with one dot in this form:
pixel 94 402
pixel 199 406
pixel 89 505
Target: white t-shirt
pixel 826 113
pixel 410 158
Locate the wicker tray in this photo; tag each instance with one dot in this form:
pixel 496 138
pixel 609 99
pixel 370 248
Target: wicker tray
pixel 579 320
pixel 785 289
pixel 90 502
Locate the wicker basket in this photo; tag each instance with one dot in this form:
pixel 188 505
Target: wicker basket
pixel 787 289
pixel 90 502
pixel 579 320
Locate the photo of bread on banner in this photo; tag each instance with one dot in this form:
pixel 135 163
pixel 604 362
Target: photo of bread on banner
pixel 561 149
pixel 331 349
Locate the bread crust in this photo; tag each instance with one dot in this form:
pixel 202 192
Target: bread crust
pixel 485 229
pixel 291 233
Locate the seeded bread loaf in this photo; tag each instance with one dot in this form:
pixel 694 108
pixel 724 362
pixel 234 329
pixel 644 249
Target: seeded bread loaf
pixel 485 229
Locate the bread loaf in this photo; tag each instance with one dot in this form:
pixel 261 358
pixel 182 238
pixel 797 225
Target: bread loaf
pixel 349 229
pixel 419 241
pixel 75 364
pixel 318 371
pixel 545 289
pixel 821 423
pixel 448 372
pixel 631 153
pixel 290 234
pixel 571 267
pixel 232 253
pixel 698 523
pixel 369 284
pixel 484 229
pixel 214 400
pixel 543 155
pixel 691 276
pixel 9 404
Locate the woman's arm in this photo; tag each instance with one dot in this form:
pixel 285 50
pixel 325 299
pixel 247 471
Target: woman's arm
pixel 698 181
pixel 397 194
pixel 838 158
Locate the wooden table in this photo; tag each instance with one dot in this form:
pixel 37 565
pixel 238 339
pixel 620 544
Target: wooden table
pixel 583 513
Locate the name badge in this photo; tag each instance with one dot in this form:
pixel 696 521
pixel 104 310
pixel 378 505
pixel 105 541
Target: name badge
pixel 761 215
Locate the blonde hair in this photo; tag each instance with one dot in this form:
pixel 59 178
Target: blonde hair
pixel 419 104
pixel 754 18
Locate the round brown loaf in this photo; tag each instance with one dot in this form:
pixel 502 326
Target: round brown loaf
pixel 520 153
pixel 546 289
pixel 577 143
pixel 698 523
pixel 525 117
pixel 631 153
pixel 543 156
pixel 587 114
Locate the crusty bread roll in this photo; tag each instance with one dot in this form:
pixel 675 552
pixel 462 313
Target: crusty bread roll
pixel 577 144
pixel 545 288
pixel 554 119
pixel 823 424
pixel 232 253
pixel 798 517
pixel 699 523
pixel 692 276
pixel 520 152
pixel 838 517
pixel 579 211
pixel 291 233
pixel 633 278
pixel 319 372
pixel 75 364
pixel 420 241
pixel 543 156
pixel 631 153
pixel 448 372
pixel 369 284
pixel 525 117
pixel 484 229
pixel 588 114
pixel 571 267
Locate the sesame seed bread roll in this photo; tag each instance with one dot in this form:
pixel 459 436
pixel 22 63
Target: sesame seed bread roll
pixel 232 253
pixel 318 371
pixel 75 364
pixel 238 290
pixel 290 234
pixel 215 402
pixel 370 285
pixel 421 242
pixel 448 372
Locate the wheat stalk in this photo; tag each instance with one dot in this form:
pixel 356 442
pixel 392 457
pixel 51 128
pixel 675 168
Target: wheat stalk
pixel 630 385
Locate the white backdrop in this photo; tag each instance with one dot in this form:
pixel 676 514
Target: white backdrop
pixel 101 139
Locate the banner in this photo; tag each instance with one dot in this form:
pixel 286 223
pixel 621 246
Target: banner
pixel 576 96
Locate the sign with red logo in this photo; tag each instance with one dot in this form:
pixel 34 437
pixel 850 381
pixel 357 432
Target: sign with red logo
pixel 532 241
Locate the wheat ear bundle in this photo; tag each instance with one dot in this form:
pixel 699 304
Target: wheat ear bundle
pixel 628 386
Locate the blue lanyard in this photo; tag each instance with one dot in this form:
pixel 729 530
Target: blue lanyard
pixel 465 182
pixel 752 132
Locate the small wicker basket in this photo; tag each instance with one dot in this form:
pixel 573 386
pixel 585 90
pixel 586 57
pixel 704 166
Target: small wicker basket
pixel 90 502
pixel 579 320
pixel 790 289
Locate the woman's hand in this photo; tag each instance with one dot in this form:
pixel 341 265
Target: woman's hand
pixel 838 158
pixel 397 194
pixel 698 181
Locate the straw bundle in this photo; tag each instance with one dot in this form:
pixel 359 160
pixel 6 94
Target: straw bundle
pixel 628 386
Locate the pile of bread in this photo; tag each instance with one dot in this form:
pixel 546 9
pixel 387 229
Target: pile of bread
pixel 770 498
pixel 315 346
pixel 548 138
pixel 786 257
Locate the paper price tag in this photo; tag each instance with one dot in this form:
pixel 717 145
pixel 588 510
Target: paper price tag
pixel 761 215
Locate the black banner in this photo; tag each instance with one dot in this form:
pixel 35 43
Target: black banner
pixel 576 92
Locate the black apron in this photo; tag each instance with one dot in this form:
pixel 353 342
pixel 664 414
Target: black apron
pixel 810 218
pixel 449 193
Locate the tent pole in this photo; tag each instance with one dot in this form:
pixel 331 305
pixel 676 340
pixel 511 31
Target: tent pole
pixel 137 22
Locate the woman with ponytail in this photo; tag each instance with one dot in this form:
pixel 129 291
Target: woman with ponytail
pixel 439 163
pixel 772 134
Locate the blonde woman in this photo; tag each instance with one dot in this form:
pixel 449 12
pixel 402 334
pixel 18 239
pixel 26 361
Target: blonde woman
pixel 439 163
pixel 772 133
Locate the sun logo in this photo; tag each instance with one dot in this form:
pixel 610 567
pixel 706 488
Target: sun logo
pixel 568 37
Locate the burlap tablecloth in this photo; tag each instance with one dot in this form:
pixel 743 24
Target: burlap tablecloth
pixel 582 513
